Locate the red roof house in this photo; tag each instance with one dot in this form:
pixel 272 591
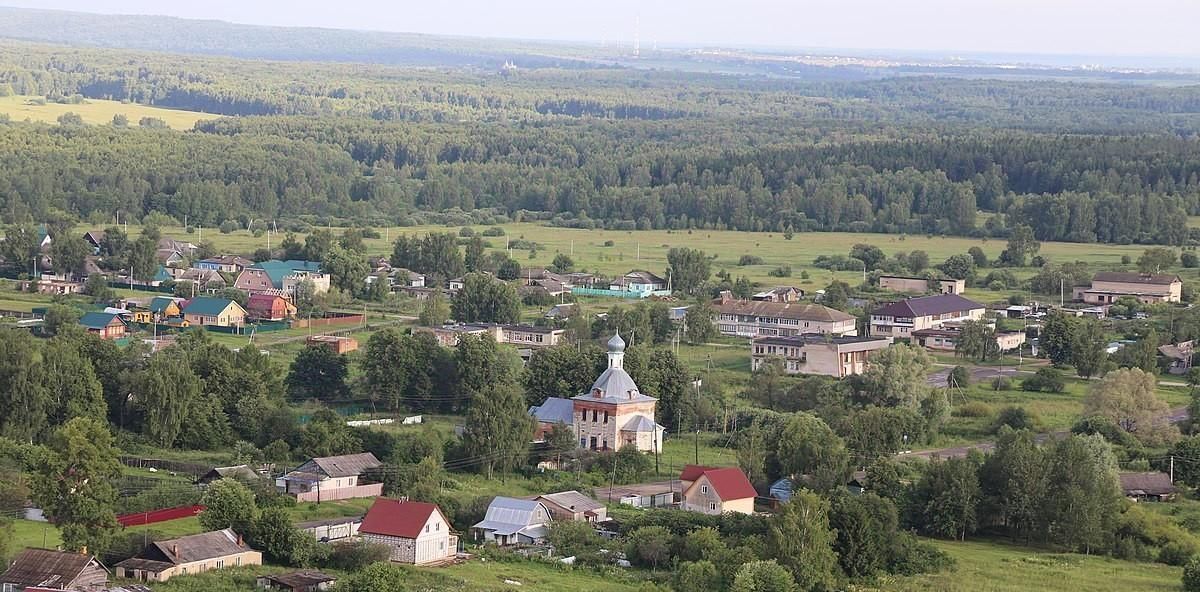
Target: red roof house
pixel 269 307
pixel 716 490
pixel 417 533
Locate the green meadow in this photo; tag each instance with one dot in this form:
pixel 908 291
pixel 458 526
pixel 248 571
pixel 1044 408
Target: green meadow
pixel 647 249
pixel 96 112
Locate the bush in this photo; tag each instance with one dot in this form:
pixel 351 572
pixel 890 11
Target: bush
pixel 1191 575
pixel 781 271
pixel 1016 418
pixel 228 226
pixel 1189 259
pixel 750 260
pixel 959 377
pixel 974 409
pixel 466 232
pixel 1175 553
pixel 910 557
pixel 493 231
pixel 355 555
pixel 609 243
pixel 1047 380
pixel 1001 383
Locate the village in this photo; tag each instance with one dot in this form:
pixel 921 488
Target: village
pixel 777 332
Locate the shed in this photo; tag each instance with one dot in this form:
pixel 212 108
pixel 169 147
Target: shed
pixel 297 581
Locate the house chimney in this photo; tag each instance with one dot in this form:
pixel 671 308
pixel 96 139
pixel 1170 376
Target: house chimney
pixel 629 393
pixel 596 394
pixel 241 543
pixel 175 550
pixel 83 550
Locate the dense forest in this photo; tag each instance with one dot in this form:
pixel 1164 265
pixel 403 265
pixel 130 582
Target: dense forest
pixel 604 147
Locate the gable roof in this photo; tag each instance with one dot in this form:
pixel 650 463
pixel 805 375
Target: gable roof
pixel 208 306
pixel 276 270
pixel 159 304
pixel 397 518
pixel 615 386
pixel 729 483
pixel 572 501
pixel 554 410
pixel 99 320
pixel 262 301
pixel 94 237
pixel 803 311
pixel 507 515
pixel 346 465
pixel 1151 483
pixel 1155 279
pixel 693 472
pixel 198 547
pixel 928 305
pixel 43 567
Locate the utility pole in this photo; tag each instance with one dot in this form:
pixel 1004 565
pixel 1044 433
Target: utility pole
pixel 695 419
pixel 1172 469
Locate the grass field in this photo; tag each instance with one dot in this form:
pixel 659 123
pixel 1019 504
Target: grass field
pixel 997 567
pixel 533 576
pixel 97 112
pixel 648 249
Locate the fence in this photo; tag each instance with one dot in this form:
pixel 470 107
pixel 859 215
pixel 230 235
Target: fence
pixel 618 293
pixel 156 516
pixel 341 493
pixel 195 469
pixel 338 319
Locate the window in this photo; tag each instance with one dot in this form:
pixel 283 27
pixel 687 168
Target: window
pixel 237 560
pixel 437 526
pixel 605 417
pixel 220 563
pixel 712 506
pixel 704 489
pixel 427 528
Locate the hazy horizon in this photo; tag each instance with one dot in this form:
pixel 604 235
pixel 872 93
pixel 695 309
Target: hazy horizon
pixel 1100 28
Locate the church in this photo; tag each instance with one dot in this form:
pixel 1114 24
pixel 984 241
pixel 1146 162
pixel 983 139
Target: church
pixel 613 414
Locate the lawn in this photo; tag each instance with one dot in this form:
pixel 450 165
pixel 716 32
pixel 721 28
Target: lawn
pixel 27 533
pixel 98 112
pixel 647 249
pixel 535 576
pixel 1054 411
pixel 997 567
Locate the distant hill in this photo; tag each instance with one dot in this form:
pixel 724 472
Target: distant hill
pixel 210 37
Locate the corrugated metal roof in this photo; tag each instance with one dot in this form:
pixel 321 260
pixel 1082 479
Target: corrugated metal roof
pixel 554 410
pixel 507 515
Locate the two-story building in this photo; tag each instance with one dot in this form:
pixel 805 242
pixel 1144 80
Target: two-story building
pixel 331 478
pixel 269 307
pixel 1109 286
pixel 282 277
pixel 521 336
pixel 225 264
pixel 614 413
pixel 416 533
pixel 611 415
pixel 900 319
pixel 752 318
pixel 716 490
pixel 920 285
pixel 827 355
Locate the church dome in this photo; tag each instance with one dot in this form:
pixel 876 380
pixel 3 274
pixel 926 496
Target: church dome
pixel 616 344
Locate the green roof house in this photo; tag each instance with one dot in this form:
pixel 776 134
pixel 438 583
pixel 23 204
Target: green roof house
pixel 218 312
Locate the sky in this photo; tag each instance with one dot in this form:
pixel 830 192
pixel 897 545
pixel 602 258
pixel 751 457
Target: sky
pixel 1076 27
